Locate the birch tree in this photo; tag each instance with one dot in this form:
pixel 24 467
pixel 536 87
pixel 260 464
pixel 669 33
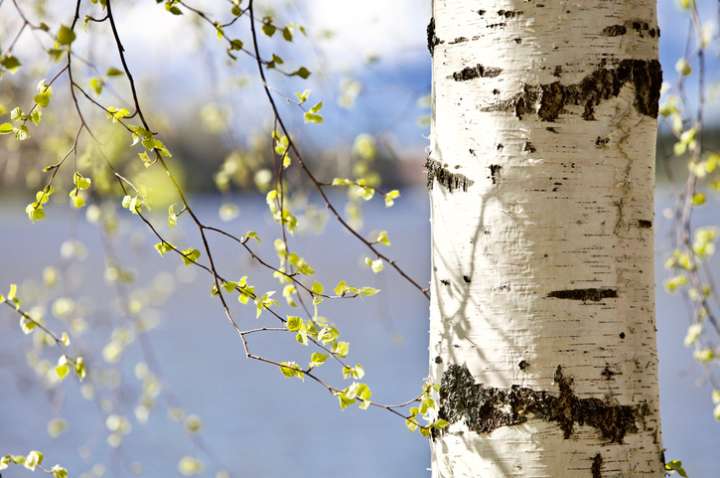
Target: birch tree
pixel 541 175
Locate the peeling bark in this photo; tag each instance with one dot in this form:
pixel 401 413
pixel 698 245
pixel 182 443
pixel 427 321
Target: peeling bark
pixel 484 409
pixel 452 181
pixel 549 100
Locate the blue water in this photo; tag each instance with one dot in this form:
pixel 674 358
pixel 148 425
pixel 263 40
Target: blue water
pixel 255 422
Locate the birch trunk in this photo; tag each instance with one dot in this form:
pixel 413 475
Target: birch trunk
pixel 541 175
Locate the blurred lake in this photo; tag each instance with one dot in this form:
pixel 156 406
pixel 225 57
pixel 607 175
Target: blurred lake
pixel 255 422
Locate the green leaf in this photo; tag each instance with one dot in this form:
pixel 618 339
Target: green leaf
pixel 344 401
pixel 313 114
pixel 173 9
pixel 294 323
pixel 172 216
pixel 96 84
pixel 112 71
pixel 317 288
pixel 6 128
pixel 341 349
pixel 317 359
pixel 21 132
pixel 251 235
pixel 163 248
pixel 698 199
pixel 368 291
pixel 383 238
pixel 440 424
pixel 190 255
pixel 33 460
pixel 81 182
pixel 10 63
pixel 411 424
pixel 390 197
pixel 65 35
pixel 80 370
pixel 291 369
pixel 302 72
pixel 376 265
pixel 35 212
pixel 303 97
pixel 356 372
pixel 27 325
pixel 44 93
pixel 676 466
pixel 268 28
pixel 62 368
pixel 58 471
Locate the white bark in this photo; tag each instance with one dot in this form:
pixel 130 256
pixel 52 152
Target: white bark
pixel 542 239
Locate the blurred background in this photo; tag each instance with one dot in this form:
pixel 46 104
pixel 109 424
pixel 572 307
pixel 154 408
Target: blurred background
pixel 171 378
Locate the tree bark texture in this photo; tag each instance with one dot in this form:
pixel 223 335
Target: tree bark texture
pixel 541 177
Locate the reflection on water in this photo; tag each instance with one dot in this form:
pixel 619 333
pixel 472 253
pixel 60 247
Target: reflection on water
pixel 257 423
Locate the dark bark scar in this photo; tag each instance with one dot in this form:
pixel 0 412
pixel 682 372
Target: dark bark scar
pixel 549 100
pixel 451 181
pixel 484 409
pixel 585 295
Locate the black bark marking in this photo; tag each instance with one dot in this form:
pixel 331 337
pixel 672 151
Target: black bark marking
pixel 601 142
pixel 523 365
pixel 529 147
pixel 644 223
pixel 509 13
pixel 622 335
pixel 481 12
pixel 438 360
pixel 615 30
pixel 458 40
pixel 640 27
pixel 467 279
pixel 432 39
pixel 477 71
pixel 607 373
pixel 548 100
pixel 495 172
pixel 585 295
pixel 596 467
pixel 438 171
pixel 484 409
